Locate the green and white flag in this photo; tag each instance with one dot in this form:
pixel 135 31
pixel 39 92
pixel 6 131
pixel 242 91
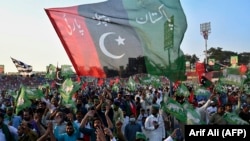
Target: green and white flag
pixel 232 79
pixel 115 87
pixel 33 94
pixel 182 90
pixel 66 71
pixel 201 91
pixel 51 72
pixel 13 94
pixel 175 109
pixel 22 100
pixel 187 105
pixel 246 88
pixel 193 117
pixel 145 80
pixel 44 86
pixel 67 89
pixel 234 119
pixel 155 81
pixel 131 84
pixel 219 87
pixel 246 83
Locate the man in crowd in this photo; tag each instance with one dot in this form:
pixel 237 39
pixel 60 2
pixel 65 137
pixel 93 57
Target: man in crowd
pixel 155 125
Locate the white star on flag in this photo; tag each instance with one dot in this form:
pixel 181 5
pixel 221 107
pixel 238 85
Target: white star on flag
pixel 120 40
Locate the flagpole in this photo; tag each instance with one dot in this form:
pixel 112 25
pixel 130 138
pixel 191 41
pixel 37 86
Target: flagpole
pixel 169 38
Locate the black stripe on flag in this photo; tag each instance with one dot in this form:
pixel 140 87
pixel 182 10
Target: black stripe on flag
pixel 23 68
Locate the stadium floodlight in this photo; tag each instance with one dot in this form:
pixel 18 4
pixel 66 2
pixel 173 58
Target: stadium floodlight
pixel 205 29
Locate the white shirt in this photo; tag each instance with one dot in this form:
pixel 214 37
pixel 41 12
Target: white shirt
pixel 155 134
pixel 169 139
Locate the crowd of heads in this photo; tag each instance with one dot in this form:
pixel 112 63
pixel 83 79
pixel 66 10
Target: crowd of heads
pixel 101 112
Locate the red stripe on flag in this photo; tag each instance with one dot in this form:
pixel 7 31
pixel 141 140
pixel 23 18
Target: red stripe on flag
pixel 76 40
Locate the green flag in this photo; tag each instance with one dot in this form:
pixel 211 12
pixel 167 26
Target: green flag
pixel 33 93
pixel 246 89
pixel 219 87
pixel 155 81
pixel 234 119
pixel 201 91
pixel 22 100
pixel 131 84
pixel 67 89
pixel 175 109
pixel 182 90
pixel 51 72
pixel 13 94
pixel 66 71
pixel 123 37
pixel 233 79
pixel 145 79
pixel 115 87
pixel 187 105
pixel 44 86
pixel 247 80
pixel 246 83
pixel 193 117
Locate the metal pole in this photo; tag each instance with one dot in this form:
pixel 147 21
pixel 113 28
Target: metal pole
pixel 205 29
pixel 206 51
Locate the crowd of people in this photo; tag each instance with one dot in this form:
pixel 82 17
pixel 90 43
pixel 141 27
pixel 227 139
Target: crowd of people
pixel 102 114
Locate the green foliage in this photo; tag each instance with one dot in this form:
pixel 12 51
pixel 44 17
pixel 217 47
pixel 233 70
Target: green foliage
pixel 222 56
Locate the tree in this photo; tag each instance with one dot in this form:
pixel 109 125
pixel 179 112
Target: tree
pixel 221 57
pixel 194 59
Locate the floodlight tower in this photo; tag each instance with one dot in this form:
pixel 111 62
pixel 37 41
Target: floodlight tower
pixel 205 30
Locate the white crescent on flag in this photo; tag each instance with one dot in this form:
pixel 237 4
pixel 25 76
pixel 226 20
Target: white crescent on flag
pixel 103 48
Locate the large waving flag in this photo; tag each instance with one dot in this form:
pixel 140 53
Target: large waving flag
pixel 23 68
pixel 111 37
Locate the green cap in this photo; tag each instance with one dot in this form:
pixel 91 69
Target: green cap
pixel 156 106
pixel 140 135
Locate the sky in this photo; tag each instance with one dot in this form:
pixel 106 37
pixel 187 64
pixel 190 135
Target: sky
pixel 27 34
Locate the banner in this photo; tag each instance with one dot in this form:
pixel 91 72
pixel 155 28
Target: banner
pixel 234 61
